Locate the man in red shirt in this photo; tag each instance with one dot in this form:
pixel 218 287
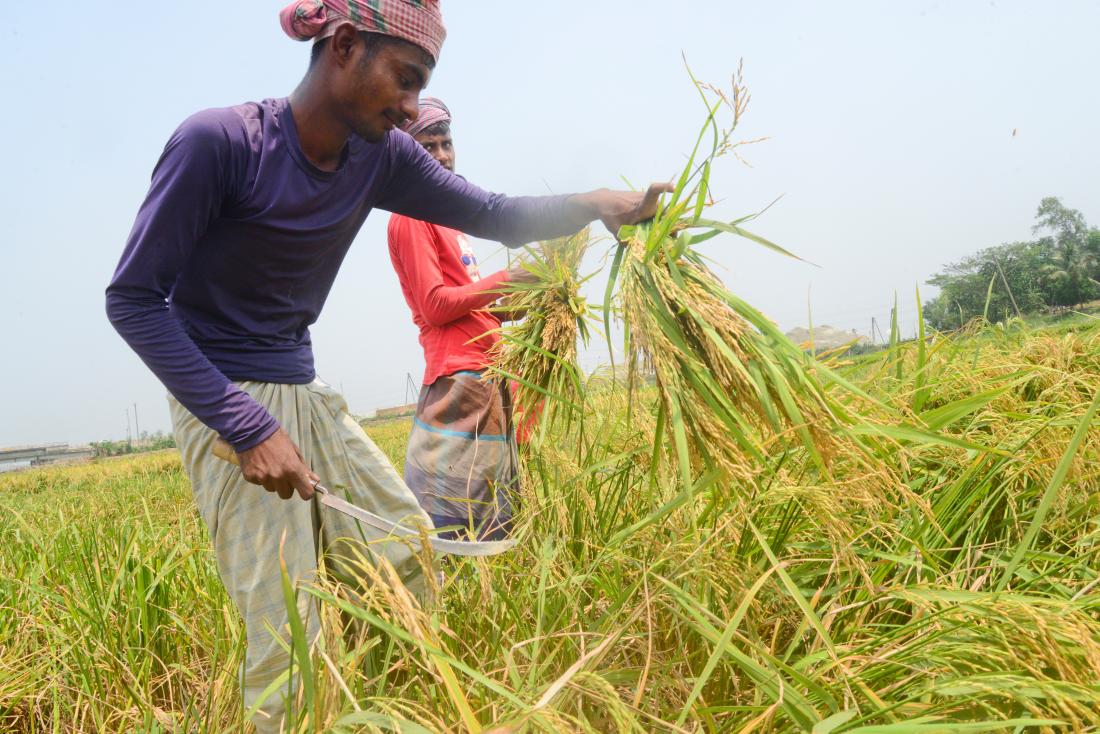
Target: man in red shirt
pixel 461 460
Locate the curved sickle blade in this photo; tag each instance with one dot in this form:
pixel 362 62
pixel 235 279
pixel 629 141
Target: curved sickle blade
pixel 398 531
pixel 451 547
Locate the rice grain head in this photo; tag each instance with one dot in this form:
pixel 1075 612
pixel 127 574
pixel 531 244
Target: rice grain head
pixel 540 352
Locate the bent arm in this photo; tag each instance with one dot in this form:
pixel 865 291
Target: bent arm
pixel 443 304
pixel 190 182
pixel 412 243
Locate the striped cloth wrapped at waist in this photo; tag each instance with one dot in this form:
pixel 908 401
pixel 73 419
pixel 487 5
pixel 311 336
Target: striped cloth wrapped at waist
pixel 461 460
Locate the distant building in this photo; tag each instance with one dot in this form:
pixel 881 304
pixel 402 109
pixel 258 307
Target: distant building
pixel 825 337
pixel 399 411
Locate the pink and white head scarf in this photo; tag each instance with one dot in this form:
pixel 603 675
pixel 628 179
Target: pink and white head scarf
pixel 416 21
pixel 432 110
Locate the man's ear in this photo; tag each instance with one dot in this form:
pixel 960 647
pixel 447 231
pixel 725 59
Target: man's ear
pixel 344 42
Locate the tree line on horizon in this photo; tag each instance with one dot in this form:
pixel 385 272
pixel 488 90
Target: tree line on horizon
pixel 146 442
pixel 1059 270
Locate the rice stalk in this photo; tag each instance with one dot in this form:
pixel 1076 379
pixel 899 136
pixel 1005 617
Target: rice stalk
pixel 730 383
pixel 540 352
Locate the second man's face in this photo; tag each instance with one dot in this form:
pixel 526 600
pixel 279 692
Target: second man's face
pixel 440 147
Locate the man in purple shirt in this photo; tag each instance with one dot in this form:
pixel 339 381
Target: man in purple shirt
pixel 233 253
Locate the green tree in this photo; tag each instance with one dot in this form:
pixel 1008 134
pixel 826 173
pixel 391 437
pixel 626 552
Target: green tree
pixel 1070 274
pixel 1008 276
pixel 1061 268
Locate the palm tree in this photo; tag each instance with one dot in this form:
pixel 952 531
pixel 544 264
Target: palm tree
pixel 1068 275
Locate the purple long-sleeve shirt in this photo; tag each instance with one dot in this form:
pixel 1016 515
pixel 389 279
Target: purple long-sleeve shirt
pixel 240 237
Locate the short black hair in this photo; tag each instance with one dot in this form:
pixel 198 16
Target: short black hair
pixel 374 43
pixel 440 128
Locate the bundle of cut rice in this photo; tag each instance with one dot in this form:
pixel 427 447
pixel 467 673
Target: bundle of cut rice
pixel 729 382
pixel 539 353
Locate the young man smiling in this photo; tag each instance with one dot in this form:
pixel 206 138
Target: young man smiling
pixel 461 460
pixel 249 214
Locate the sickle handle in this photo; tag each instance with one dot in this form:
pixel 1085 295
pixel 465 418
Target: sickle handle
pixel 225 452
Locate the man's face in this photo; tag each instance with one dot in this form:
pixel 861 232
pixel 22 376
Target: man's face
pixel 381 90
pixel 440 147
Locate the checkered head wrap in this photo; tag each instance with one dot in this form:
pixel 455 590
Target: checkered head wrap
pixel 432 110
pixel 416 21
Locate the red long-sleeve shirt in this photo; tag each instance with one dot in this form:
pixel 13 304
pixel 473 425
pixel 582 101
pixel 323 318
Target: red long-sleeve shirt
pixel 440 280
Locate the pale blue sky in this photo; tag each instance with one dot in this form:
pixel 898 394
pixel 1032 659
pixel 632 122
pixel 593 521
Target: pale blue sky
pixel 891 143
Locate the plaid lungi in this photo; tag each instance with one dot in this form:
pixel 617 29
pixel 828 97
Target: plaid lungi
pixel 247 523
pixel 461 461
